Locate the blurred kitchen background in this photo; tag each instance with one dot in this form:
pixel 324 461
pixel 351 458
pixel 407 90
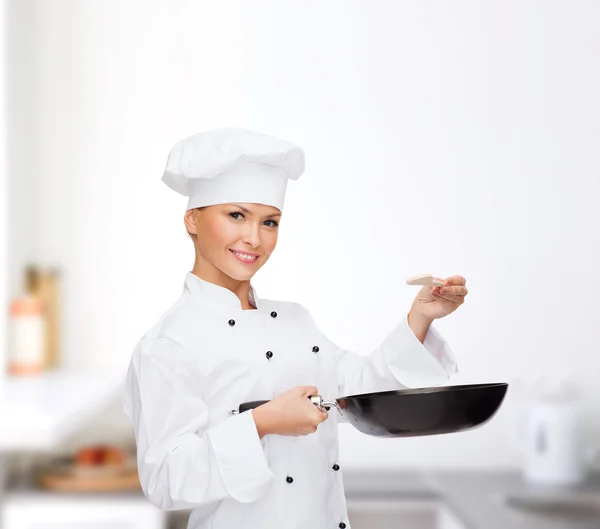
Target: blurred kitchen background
pixel 443 137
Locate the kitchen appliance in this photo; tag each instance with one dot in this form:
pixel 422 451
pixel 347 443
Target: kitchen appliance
pixel 414 412
pixel 551 436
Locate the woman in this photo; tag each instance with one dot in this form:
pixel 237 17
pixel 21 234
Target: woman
pixel 220 345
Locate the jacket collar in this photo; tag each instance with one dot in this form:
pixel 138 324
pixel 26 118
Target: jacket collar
pixel 216 295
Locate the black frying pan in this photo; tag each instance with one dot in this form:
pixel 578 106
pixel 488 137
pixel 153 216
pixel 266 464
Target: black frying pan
pixel 414 412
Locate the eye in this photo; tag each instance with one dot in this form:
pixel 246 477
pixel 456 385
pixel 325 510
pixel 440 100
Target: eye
pixel 234 215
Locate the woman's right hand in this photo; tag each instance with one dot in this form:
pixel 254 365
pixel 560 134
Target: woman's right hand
pixel 291 413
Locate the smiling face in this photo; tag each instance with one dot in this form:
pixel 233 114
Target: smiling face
pixel 234 240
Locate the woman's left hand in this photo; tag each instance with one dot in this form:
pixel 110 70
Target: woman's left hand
pixel 434 302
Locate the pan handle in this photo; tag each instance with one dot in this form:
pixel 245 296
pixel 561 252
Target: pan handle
pixel 245 406
pixel 324 405
pixel 317 400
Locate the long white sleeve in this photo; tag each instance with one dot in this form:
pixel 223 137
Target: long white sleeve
pixel 400 361
pixel 182 463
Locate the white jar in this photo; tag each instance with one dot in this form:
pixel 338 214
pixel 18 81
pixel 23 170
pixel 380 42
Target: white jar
pixel 556 449
pixel 27 336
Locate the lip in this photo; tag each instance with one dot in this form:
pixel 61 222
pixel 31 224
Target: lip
pixel 246 253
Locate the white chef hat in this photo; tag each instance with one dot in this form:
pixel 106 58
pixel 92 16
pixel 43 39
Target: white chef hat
pixel 233 165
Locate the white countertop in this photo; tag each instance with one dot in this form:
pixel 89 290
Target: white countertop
pixel 38 412
pixel 475 497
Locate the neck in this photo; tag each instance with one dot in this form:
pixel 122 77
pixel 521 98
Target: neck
pixel 213 275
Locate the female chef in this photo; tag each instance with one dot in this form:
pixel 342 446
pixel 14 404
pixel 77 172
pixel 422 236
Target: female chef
pixel 220 344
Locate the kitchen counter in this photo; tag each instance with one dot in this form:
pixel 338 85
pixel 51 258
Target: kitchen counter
pixel 475 497
pixel 391 484
pixel 38 412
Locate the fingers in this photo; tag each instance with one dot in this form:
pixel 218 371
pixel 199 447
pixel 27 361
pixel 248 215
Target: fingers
pixel 453 291
pixel 445 293
pixel 322 415
pixel 459 300
pixel 456 280
pixel 309 391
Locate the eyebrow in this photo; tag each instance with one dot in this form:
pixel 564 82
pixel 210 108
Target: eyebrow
pixel 248 211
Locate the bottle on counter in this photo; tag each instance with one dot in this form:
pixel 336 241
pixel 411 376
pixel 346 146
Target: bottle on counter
pixel 44 284
pixel 26 336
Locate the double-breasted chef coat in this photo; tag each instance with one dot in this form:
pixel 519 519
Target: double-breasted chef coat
pixel 204 357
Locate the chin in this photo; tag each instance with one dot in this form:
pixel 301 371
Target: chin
pixel 241 275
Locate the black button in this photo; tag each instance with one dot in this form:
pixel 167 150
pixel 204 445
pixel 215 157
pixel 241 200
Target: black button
pixel 342 525
pixel 315 349
pixel 273 314
pixel 232 322
pixel 289 479
pixel 269 354
pixel 336 467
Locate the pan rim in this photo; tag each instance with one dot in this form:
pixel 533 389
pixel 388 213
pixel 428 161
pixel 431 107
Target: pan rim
pixel 425 390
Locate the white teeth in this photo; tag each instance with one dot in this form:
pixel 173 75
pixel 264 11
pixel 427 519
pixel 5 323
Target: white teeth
pixel 246 257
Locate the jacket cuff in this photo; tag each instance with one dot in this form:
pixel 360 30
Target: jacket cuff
pixel 437 346
pixel 414 364
pixel 239 453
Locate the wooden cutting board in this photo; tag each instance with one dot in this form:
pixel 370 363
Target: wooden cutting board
pixel 62 479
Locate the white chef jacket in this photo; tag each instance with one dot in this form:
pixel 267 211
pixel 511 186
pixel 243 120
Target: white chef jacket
pixel 204 357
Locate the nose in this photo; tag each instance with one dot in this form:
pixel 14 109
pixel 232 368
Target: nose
pixel 251 235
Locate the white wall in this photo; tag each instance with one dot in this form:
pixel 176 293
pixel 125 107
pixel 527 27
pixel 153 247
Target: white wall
pixel 446 138
pixel 23 122
pixel 3 194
